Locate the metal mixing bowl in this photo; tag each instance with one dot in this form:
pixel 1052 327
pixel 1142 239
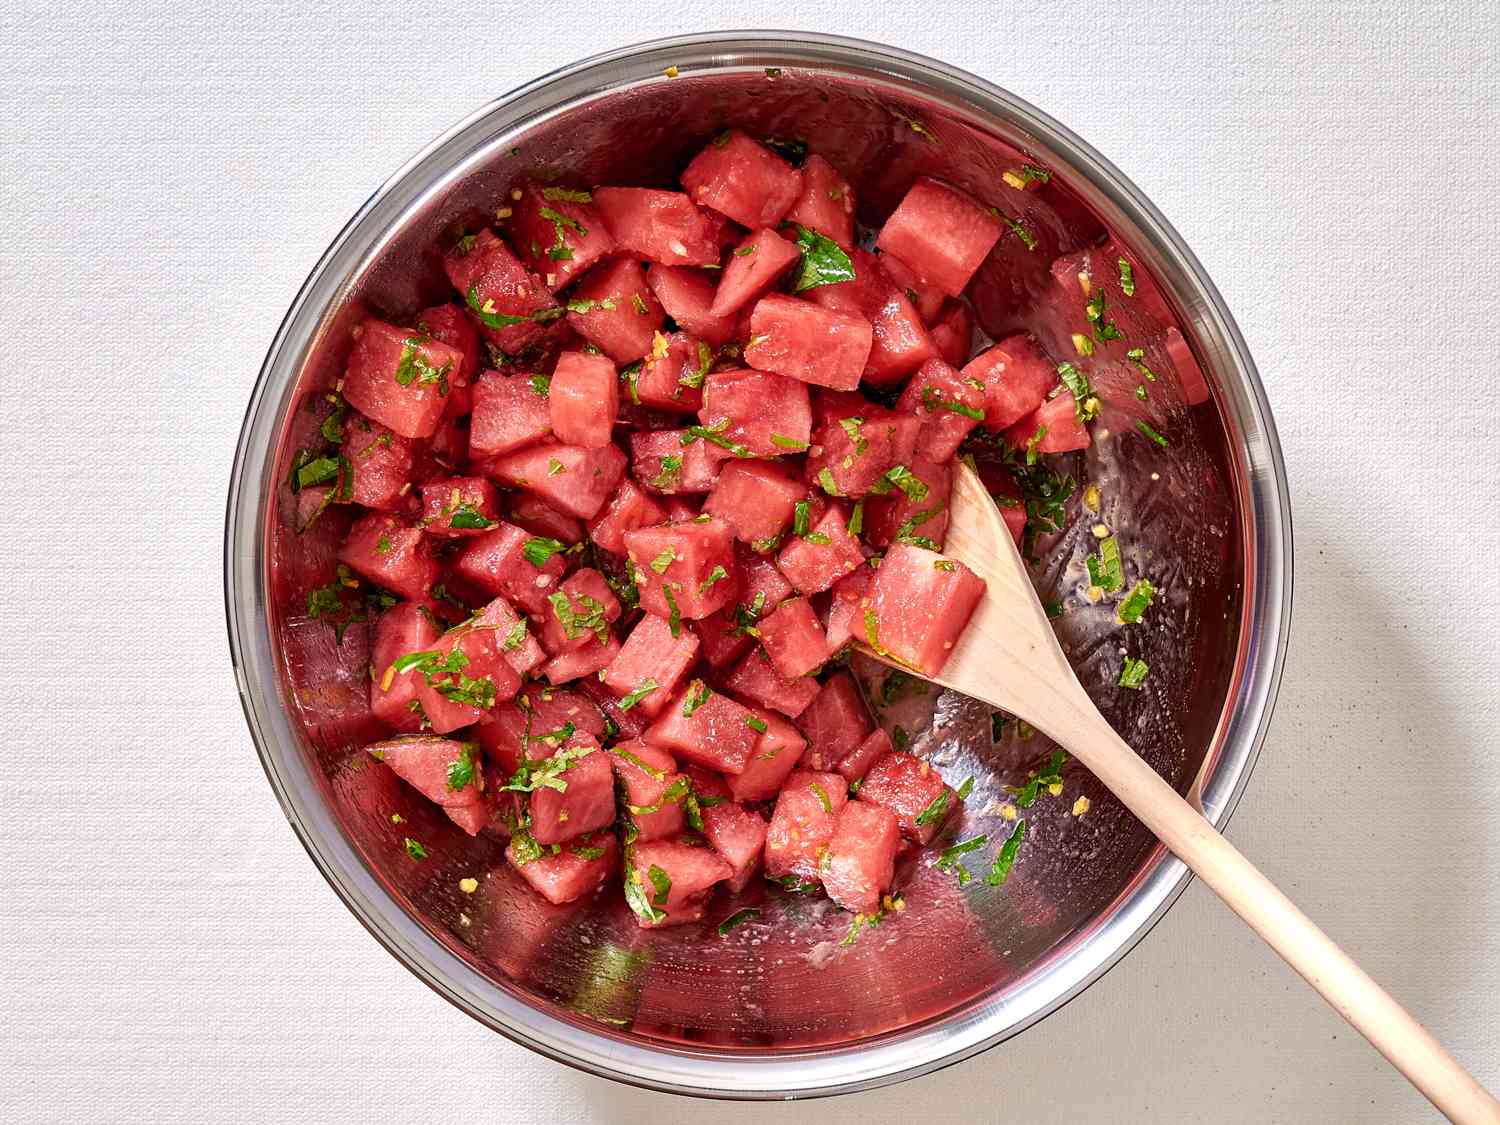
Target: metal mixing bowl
pixel 778 1007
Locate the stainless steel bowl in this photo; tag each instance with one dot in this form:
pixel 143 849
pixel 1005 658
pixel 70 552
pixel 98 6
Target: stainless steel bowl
pixel 778 1008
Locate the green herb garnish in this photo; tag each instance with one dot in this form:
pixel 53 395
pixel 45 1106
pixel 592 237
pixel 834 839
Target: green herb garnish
pixel 1136 602
pixel 1005 858
pixel 537 551
pixel 468 518
pixel 737 919
pixel 697 696
pixel 1133 673
pixel 1127 277
pixel 1106 570
pixel 1152 434
pixel 462 769
pixel 824 262
pixel 647 686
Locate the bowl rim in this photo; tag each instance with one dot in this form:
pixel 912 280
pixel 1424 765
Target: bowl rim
pixel 782 1073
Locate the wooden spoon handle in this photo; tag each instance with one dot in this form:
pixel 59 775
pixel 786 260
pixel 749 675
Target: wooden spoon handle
pixel 1371 1010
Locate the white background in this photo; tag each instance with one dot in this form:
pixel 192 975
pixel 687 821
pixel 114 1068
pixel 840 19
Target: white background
pixel 169 173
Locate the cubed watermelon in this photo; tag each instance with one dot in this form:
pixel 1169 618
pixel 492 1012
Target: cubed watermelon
pixel 1189 375
pixel 1017 378
pixel 627 509
pixel 948 404
pixel 1053 427
pixel 686 570
pixel 521 649
pixel 680 508
pixel 593 657
pixel 672 374
pixel 793 638
pixel 541 518
pixel 655 793
pixel 511 411
pixel 941 233
pixel 756 413
pixel 559 232
pixel 826 204
pixel 459 507
pixel 570 478
pixel 661 462
pixel 380 461
pixel 806 815
pixel 614 308
pixel 583 399
pixel 721 639
pixel 663 226
pixel 498 562
pixel 755 679
pixel 581 611
pixel 913 790
pixel 650 665
pixel 920 603
pixel 448 324
pixel 953 332
pixel 805 341
pixel 399 377
pixel 775 754
pixel 676 879
pixel 742 178
pixel 738 834
pixel 514 729
pixel 445 771
pixel 762 586
pixel 924 296
pixel 754 266
pixel 465 675
pixel 918 511
pixel 391 552
pixel 587 801
pixel 858 761
pixel 846 606
pixel 508 301
pixel 688 296
pixel 755 498
pixel 814 562
pixel 852 453
pixel 899 341
pixel 405 627
pixel 705 727
pixel 578 868
pixel 862 856
pixel 835 722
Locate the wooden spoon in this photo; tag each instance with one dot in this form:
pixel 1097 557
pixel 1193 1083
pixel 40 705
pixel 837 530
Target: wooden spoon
pixel 1009 658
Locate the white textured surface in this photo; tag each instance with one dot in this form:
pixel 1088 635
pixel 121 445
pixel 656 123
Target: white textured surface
pixel 168 174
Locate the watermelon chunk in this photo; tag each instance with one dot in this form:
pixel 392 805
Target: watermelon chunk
pixel 755 679
pixel 380 461
pixel 566 667
pixel 1017 378
pixel 763 586
pixel 805 341
pixel 447 324
pixel 614 308
pixel 738 834
pixel 399 378
pixel 581 611
pixel 684 570
pixel 650 665
pixel 862 856
pixel 688 296
pixel 953 333
pixel 661 462
pixel 578 868
pixel 806 815
pixel 919 606
pixel 558 232
pixel 391 552
pixel 508 301
pixel 858 761
pixel 941 233
pixel 756 499
pixel 584 399
pixel 721 641
pixel 775 754
pixel 917 512
pixel 826 204
pixel 925 297
pixel 459 507
pixel 793 638
pixel 913 790
pixel 1189 375
pixel 541 518
pixel 672 374
pixel 570 478
pixel 513 728
pixel 948 404
pixel 676 878
pixel 663 226
pixel 846 606
pixel 511 411
pixel 522 652
pixel 899 342
pixel 758 413
pixel 405 627
pixel 585 805
pixel 850 453
pixel 1052 427
pixel 814 563
pixel 444 771
pixel 835 722
pixel 742 178
pixel 627 509
pixel 655 793
pixel 754 267
pixel 467 676
pixel 496 563
pixel 717 733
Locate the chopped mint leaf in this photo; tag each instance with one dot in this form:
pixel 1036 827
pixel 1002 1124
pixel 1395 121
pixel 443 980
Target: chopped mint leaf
pixel 461 771
pixel 935 812
pixel 1136 602
pixel 697 696
pixel 737 919
pixel 537 551
pixel 1133 673
pixel 824 262
pixel 1137 356
pixel 647 686
pixel 1106 570
pixel 1127 277
pixel 468 517
pixel 1005 858
pixel 414 848
pixel 899 476
pixel 822 796
pixel 664 560
pixel 566 195
pixel 1152 434
pixel 801 517
pixel 1085 404
pixel 783 442
pixel 716 575
pixel 933 401
pixel 757 725
pixel 1049 778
